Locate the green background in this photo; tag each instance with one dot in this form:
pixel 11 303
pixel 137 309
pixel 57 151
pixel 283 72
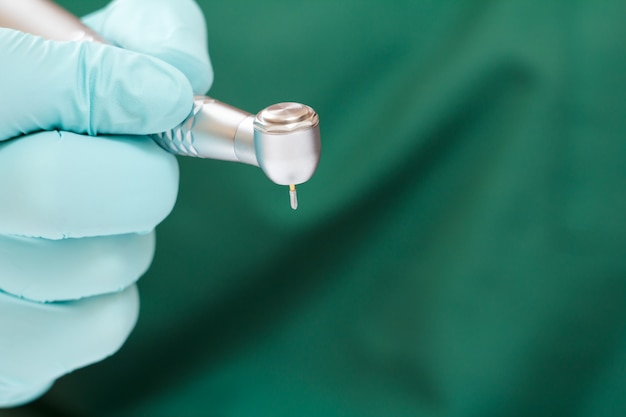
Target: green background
pixel 459 252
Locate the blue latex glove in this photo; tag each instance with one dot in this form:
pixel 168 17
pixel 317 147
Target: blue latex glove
pixel 77 211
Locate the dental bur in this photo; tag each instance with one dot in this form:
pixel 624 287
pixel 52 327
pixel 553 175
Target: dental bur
pixel 282 139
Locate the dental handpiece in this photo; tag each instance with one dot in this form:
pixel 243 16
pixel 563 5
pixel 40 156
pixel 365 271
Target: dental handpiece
pixel 282 139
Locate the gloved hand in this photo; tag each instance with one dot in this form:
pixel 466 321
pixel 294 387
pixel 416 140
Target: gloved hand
pixel 77 211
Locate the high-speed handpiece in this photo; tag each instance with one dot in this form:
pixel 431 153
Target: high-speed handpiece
pixel 283 139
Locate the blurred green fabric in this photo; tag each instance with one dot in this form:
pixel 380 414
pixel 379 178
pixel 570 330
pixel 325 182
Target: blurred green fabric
pixel 460 251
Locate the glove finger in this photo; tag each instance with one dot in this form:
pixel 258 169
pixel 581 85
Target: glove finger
pixel 41 342
pixel 69 269
pixel 11 396
pixel 86 87
pixel 174 31
pixel 58 184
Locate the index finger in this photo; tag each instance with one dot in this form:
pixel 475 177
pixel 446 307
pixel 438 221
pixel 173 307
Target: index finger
pixel 174 31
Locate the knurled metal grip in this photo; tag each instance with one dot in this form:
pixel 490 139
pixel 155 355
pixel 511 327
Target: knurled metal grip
pixel 212 130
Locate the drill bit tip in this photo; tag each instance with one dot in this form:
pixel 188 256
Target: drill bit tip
pixel 293 196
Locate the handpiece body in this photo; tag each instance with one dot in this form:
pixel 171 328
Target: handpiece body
pixel 283 139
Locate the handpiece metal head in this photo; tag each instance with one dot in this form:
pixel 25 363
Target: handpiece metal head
pixel 287 142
